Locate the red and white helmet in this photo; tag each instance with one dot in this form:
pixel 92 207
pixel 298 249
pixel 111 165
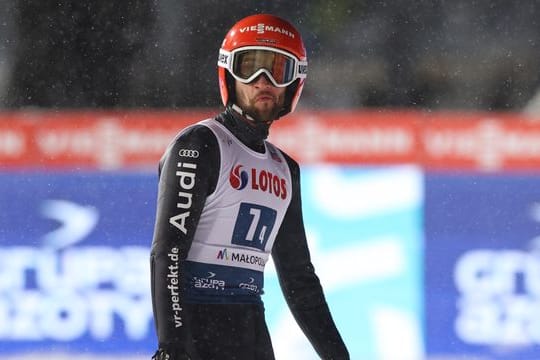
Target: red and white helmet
pixel 263 44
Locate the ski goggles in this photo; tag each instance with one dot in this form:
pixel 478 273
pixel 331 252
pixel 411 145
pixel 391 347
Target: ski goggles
pixel 247 63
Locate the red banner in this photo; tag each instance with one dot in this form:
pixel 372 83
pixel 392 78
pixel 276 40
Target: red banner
pixel 137 139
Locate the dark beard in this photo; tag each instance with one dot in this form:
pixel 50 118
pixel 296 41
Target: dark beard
pixel 265 117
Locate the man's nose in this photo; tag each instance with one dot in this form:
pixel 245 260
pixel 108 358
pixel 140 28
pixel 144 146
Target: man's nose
pixel 262 80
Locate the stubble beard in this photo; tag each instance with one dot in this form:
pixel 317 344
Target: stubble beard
pixel 265 115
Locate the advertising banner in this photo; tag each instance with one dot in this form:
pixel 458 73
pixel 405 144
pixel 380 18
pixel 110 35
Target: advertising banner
pixel 74 255
pixel 482 261
pixel 74 262
pixel 364 227
pixel 424 230
pixel 136 140
pixel 365 234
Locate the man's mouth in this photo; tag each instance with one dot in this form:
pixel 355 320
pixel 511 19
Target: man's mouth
pixel 264 97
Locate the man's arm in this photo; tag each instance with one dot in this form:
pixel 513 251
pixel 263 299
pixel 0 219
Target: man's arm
pixel 301 286
pixel 188 173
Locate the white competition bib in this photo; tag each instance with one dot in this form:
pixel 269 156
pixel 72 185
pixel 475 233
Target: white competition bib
pixel 240 220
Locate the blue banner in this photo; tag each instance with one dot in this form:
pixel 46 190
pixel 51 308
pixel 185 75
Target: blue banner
pixel 74 262
pixel 482 280
pixel 74 256
pixel 364 228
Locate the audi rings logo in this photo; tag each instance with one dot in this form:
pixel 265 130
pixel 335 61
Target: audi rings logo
pixel 188 153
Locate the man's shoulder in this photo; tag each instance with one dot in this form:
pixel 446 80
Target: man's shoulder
pixel 293 164
pixel 196 140
pixel 198 130
pixel 195 136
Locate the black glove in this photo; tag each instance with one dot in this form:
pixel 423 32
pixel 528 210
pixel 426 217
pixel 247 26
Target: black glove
pixel 162 354
pixel 166 355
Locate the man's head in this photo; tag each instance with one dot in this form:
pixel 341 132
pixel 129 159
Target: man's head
pixel 260 99
pixel 262 67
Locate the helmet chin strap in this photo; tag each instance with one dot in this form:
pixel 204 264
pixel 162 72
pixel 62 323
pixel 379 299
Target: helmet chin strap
pixel 251 127
pixel 239 110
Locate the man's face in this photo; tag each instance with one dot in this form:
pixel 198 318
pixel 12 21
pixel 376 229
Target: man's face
pixel 260 98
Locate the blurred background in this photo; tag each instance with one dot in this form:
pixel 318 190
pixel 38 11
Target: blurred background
pixel 425 54
pixel 416 132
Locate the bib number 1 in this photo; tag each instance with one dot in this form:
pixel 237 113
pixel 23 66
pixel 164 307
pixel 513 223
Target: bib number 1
pixel 253 226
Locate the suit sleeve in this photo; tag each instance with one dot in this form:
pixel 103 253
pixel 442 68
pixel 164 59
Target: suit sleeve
pixel 187 174
pixel 299 283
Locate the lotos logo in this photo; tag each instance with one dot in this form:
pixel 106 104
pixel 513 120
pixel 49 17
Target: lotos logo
pixel 261 180
pixel 238 178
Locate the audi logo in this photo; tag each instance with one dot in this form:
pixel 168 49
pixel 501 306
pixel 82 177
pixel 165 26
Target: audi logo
pixel 188 153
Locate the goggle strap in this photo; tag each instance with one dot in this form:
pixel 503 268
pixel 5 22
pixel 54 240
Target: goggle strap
pixel 302 69
pixel 225 59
